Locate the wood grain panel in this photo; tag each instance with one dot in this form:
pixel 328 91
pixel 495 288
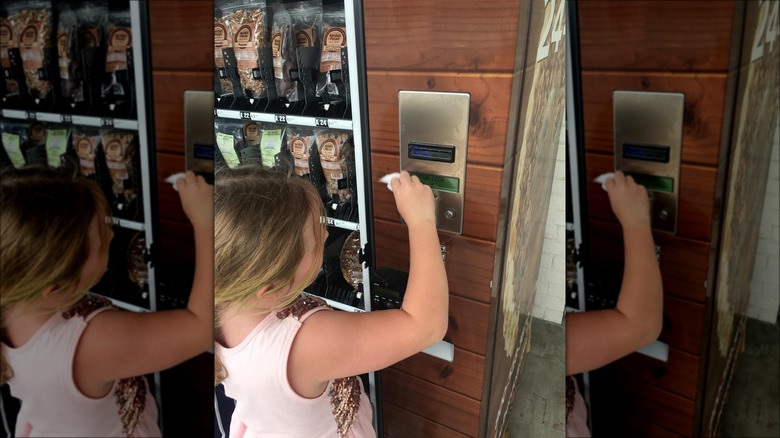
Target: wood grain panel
pixel 683 325
pixel 684 263
pixel 430 401
pixel 627 396
pixel 463 375
pixel 168 202
pixel 468 325
pixel 182 35
pixel 679 375
pixel 705 97
pixel 488 111
pixel 469 261
pixel 655 35
pixel 169 90
pixel 481 204
pixel 400 423
pixel 696 204
pixel 464 36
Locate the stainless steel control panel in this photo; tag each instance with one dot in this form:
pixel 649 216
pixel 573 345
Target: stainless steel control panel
pixel 648 142
pixel 433 134
pixel 199 131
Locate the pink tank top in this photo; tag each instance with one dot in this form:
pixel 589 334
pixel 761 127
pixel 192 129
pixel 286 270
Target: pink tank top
pixel 266 405
pixel 51 403
pixel 577 412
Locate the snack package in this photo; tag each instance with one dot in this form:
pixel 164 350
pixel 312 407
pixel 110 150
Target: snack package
pixel 120 149
pixel 337 160
pixel 249 144
pixel 223 39
pixel 78 29
pixel 137 269
pixel 14 135
pixel 283 49
pixel 67 49
pixel 35 149
pixel 301 142
pixel 8 40
pixel 85 142
pixel 350 260
pixel 33 23
pixel 119 39
pixel 306 17
pixel 334 38
pixel 245 24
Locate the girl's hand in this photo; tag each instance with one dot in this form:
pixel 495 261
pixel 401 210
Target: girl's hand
pixel 629 200
pixel 197 199
pixel 414 200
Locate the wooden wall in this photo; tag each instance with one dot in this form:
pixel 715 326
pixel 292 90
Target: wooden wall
pixel 181 40
pixel 674 46
pixel 462 46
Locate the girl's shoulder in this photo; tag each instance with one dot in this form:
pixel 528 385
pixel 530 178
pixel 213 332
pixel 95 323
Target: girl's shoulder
pixel 87 307
pixel 301 307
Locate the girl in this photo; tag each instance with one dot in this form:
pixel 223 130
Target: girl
pixel 288 361
pixel 71 358
pixel 596 338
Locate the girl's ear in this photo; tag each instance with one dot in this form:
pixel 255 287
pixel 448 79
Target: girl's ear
pixel 263 289
pixel 50 290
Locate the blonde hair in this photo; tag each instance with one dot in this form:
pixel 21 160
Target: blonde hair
pixel 259 220
pixel 45 215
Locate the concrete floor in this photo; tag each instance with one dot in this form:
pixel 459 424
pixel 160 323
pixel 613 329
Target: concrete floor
pixel 539 409
pixel 753 409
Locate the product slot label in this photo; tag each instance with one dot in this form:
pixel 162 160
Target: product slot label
pixel 225 143
pixel 12 148
pixel 271 144
pixel 56 144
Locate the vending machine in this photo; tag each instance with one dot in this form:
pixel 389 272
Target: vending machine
pixel 75 94
pixel 290 94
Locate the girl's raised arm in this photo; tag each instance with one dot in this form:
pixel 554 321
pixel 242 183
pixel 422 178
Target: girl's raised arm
pixel 339 344
pixel 124 344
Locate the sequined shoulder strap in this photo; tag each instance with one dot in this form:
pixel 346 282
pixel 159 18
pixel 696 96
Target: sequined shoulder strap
pixel 88 305
pixel 570 394
pixel 301 307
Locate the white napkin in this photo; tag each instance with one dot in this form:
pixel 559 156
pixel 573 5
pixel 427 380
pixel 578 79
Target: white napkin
pixel 173 178
pixel 602 179
pixel 389 177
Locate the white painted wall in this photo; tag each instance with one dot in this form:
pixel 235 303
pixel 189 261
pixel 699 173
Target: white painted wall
pixel 765 288
pixel 550 286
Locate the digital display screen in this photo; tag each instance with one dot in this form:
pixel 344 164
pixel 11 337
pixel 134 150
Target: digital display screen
pixel 203 151
pixel 655 183
pixel 443 154
pixel 657 153
pixel 438 182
